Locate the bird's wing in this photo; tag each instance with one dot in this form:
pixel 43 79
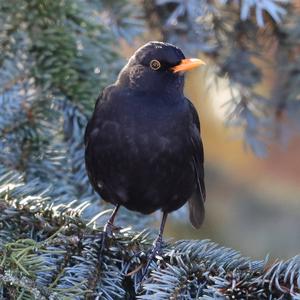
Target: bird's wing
pixel 86 133
pixel 196 202
pixel 89 124
pixel 103 96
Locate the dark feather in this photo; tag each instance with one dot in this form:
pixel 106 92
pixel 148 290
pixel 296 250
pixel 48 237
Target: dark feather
pixel 143 146
pixel 196 202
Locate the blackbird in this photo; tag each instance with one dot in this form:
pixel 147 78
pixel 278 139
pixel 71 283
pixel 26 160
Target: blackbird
pixel 143 148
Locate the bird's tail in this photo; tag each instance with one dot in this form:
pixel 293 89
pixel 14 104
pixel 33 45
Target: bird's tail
pixel 197 210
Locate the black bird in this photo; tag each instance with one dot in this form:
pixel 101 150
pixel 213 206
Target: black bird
pixel 143 148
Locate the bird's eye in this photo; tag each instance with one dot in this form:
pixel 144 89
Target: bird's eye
pixel 155 64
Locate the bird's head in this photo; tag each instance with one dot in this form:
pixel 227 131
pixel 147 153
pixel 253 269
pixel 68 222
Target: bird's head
pixel 157 66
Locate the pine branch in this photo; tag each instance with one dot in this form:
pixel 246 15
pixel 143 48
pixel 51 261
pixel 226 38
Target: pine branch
pixel 55 254
pixel 54 61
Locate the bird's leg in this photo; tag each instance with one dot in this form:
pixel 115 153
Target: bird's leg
pixel 157 245
pixel 108 227
pixel 110 223
pixel 158 242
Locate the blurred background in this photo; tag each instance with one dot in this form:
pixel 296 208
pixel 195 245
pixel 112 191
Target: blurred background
pixel 56 56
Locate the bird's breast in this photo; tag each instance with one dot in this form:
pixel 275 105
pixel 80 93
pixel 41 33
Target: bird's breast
pixel 141 154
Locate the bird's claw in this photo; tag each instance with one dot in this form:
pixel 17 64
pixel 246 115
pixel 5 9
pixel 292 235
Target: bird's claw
pixel 155 251
pixel 157 248
pixel 108 229
pixel 106 234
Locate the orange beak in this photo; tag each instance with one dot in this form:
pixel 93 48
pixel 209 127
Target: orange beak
pixel 188 64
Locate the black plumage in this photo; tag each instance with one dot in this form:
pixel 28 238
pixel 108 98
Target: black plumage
pixel 143 144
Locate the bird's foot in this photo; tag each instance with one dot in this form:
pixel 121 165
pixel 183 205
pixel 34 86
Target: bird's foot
pixel 157 247
pixel 156 251
pixel 108 229
pixel 107 233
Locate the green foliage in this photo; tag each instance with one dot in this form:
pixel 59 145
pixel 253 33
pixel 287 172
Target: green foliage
pixel 49 252
pixel 55 57
pixel 60 45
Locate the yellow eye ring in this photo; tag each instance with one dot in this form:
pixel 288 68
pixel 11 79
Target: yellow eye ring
pixel 155 64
